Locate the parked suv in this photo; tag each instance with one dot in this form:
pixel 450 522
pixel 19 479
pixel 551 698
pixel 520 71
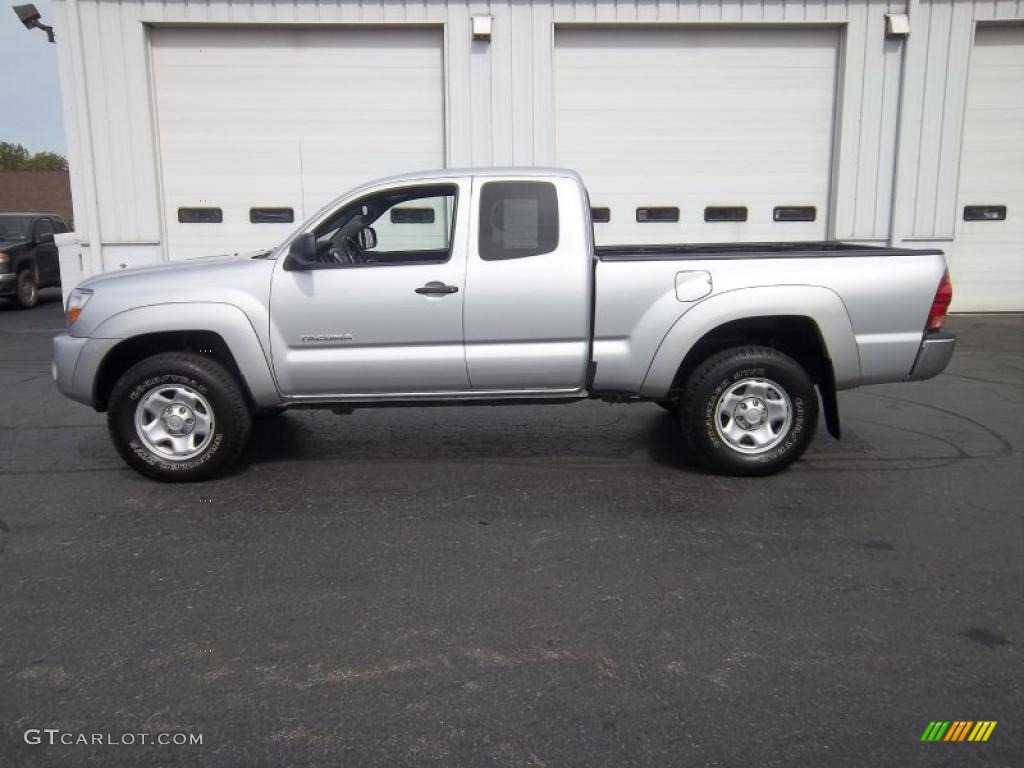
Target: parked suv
pixel 28 255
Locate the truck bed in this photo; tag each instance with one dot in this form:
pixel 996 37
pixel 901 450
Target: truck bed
pixel 778 250
pixel 869 306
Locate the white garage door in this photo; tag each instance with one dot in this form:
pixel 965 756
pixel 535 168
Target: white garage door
pixel 987 264
pixel 272 118
pixel 673 121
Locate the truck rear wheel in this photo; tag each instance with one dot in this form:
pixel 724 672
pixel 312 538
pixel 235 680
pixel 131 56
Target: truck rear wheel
pixel 178 417
pixel 749 411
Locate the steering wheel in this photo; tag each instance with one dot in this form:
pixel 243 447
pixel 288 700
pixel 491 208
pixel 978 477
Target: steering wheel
pixel 346 252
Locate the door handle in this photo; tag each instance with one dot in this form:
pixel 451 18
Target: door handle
pixel 437 288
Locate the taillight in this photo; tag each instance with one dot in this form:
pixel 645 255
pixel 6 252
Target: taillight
pixel 940 304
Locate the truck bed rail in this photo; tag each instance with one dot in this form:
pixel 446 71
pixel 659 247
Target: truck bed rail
pixel 777 250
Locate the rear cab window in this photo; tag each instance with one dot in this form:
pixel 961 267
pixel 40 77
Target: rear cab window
pixel 518 219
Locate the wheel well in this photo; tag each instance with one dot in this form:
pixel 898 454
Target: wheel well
pixel 793 335
pixel 133 350
pixel 27 264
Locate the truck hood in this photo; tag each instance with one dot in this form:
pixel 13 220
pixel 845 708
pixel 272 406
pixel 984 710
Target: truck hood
pixel 184 271
pixel 241 281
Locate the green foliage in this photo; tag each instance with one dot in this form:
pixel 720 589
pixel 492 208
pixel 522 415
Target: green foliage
pixel 47 161
pixel 14 157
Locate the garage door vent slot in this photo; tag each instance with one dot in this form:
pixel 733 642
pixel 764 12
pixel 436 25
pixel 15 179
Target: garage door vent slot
pixel 795 213
pixel 271 215
pixel 984 213
pixel 412 215
pixel 725 213
pixel 658 214
pixel 200 216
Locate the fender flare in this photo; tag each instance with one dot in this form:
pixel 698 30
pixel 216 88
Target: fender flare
pixel 25 261
pixel 226 320
pixel 822 305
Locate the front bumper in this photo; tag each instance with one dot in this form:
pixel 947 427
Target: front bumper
pixel 934 355
pixel 8 284
pixel 66 351
pixel 76 363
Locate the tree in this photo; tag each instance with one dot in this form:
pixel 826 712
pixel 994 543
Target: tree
pixel 47 161
pixel 14 157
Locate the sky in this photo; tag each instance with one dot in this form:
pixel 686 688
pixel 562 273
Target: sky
pixel 30 108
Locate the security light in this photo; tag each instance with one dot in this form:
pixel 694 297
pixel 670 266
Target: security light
pixel 897 25
pixel 482 28
pixel 29 16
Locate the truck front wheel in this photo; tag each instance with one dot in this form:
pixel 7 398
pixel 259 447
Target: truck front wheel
pixel 27 294
pixel 178 417
pixel 749 411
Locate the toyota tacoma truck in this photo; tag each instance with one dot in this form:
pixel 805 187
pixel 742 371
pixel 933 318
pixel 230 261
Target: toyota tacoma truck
pixel 485 287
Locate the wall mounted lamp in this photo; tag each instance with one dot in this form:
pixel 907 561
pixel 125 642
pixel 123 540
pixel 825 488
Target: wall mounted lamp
pixel 897 25
pixel 482 27
pixel 30 17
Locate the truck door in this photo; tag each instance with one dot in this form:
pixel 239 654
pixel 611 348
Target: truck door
pixel 381 311
pixel 45 253
pixel 528 285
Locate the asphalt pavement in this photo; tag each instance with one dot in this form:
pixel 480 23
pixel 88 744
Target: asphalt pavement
pixel 517 586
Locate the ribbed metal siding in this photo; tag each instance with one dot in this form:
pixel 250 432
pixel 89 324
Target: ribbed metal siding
pixel 499 95
pixel 935 93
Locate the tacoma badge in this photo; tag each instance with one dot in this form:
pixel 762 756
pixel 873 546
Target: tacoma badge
pixel 326 337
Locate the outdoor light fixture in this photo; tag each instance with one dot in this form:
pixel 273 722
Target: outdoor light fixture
pixel 897 25
pixel 482 27
pixel 29 16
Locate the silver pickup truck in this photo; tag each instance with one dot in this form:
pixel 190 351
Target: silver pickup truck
pixel 484 286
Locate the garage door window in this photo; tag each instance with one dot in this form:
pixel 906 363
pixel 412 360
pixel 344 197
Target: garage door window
pixel 517 219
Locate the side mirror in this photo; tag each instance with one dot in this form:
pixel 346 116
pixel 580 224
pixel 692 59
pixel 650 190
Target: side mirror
pixel 301 253
pixel 367 238
pixel 46 237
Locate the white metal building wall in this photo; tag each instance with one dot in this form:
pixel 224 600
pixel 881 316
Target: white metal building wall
pixel 899 112
pixel 988 254
pixel 267 117
pixel 671 118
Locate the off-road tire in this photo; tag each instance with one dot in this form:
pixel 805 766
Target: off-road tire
pixel 710 384
pixel 231 418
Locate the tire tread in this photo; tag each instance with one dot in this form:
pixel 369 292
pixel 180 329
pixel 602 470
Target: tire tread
pixel 691 423
pixel 230 390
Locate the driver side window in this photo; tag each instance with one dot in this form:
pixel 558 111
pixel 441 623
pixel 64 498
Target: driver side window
pixel 396 227
pixel 421 224
pixel 43 227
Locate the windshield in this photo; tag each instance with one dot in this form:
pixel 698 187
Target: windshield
pixel 15 227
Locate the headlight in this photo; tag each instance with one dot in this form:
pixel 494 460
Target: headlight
pixel 76 303
pixel 5 262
